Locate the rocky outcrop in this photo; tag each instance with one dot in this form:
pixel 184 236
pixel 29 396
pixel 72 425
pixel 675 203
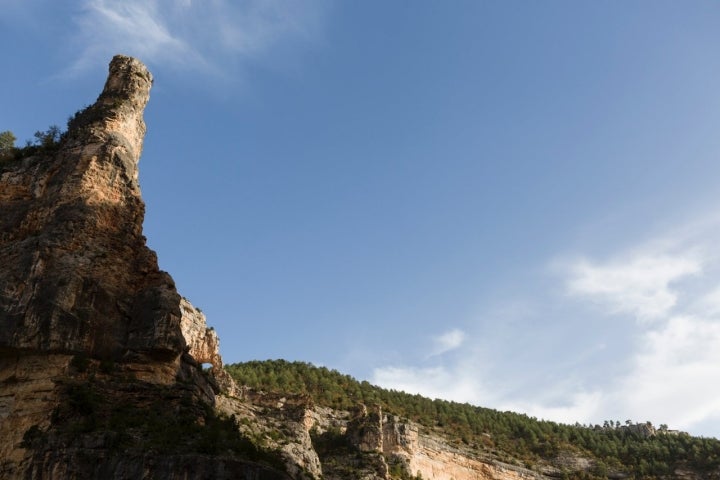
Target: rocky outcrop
pixel 100 357
pixel 405 449
pixel 282 427
pixel 77 274
pixel 29 393
pixel 202 342
pixel 365 444
pixel 101 360
pixel 641 429
pixel 365 430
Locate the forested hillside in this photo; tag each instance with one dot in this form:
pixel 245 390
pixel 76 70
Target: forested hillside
pixel 639 449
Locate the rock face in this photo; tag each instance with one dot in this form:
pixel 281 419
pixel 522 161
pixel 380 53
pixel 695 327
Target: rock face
pixel 77 274
pixel 99 355
pixel 202 343
pixel 401 447
pixel 365 444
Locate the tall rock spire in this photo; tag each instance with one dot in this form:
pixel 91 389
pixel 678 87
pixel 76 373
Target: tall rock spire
pixel 92 334
pixel 116 118
pixel 78 276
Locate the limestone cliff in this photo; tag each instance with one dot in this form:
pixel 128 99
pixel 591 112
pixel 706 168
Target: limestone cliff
pixel 100 357
pixel 77 275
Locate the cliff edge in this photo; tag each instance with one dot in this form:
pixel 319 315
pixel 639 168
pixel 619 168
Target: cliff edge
pixel 100 357
pixel 77 274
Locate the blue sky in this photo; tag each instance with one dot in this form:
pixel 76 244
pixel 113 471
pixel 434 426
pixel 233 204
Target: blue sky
pixel 511 203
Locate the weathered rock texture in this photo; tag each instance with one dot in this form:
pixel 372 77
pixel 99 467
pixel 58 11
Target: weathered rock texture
pixel 77 275
pixel 202 343
pixel 99 355
pixel 366 444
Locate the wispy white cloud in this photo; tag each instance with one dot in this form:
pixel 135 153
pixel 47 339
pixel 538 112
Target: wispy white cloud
pixel 211 36
pixel 456 383
pixel 639 285
pixel 133 27
pixel 660 298
pixel 448 341
pixel 671 280
pixel 579 406
pixel 674 373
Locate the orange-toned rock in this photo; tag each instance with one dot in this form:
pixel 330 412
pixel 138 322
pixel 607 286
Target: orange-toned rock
pixel 99 354
pixel 77 275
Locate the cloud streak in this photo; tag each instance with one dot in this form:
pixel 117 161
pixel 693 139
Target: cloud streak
pixel 640 285
pixel 458 384
pixel 448 341
pixel 674 374
pixel 212 36
pixel 660 298
pixel 138 28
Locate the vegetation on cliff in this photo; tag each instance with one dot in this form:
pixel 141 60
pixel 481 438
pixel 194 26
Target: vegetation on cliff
pixel 507 435
pixel 48 141
pixel 7 142
pixel 43 143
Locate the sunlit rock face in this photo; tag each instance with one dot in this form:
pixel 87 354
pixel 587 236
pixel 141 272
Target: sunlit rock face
pixel 77 275
pixel 202 342
pixel 92 334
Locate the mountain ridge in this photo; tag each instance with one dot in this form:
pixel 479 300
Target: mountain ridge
pixel 513 438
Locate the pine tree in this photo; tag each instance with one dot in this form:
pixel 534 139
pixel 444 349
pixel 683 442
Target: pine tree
pixel 7 142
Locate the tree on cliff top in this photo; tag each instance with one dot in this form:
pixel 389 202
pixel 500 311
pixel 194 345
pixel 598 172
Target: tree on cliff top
pixel 7 145
pixel 49 138
pixel 7 141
